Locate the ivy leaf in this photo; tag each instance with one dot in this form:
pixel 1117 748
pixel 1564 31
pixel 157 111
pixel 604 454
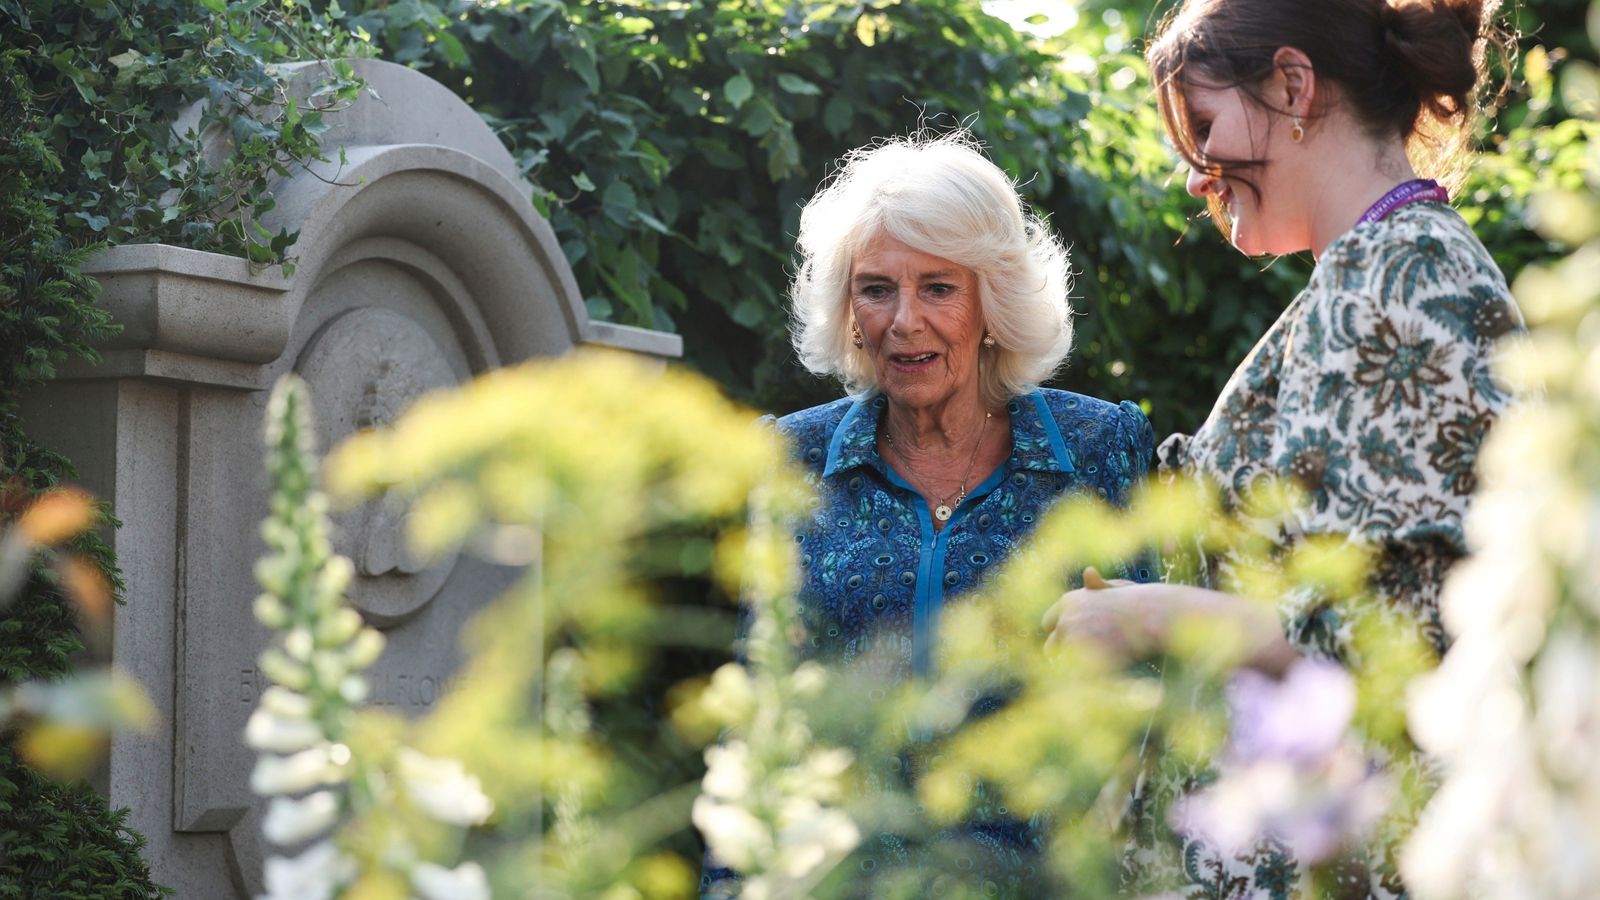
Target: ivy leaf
pixel 583 182
pixel 216 6
pixel 313 124
pixel 794 84
pixel 95 223
pixel 738 90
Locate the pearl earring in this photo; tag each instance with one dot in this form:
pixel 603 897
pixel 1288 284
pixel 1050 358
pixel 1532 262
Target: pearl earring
pixel 856 338
pixel 988 340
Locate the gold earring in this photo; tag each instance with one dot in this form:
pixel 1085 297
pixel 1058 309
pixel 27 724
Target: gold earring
pixel 856 338
pixel 988 340
pixel 1297 132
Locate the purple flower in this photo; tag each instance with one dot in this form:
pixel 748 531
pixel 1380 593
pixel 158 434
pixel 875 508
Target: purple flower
pixel 1301 719
pixel 1290 771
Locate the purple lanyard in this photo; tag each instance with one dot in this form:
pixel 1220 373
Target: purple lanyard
pixel 1411 192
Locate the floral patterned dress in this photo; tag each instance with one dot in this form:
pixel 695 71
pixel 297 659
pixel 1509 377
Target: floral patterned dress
pixel 1372 392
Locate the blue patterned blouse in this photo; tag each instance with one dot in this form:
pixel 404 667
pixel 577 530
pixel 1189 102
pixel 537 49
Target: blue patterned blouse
pixel 877 574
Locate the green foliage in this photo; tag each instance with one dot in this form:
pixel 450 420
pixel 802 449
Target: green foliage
pixel 673 144
pixel 130 93
pixel 59 841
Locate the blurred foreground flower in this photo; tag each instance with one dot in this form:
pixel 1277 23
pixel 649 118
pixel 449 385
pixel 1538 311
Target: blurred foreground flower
pixel 65 727
pixel 1291 771
pixel 1513 712
pixel 307 728
pixel 625 475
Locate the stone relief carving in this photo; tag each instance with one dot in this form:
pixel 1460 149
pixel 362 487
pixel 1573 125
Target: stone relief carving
pixel 365 367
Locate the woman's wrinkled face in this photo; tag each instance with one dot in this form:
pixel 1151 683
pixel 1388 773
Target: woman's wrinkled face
pixel 921 320
pixel 1229 125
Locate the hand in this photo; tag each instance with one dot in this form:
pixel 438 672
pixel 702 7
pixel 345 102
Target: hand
pixel 1128 620
pixel 1122 617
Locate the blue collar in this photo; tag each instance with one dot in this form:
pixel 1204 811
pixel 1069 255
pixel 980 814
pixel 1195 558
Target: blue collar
pixel 1036 442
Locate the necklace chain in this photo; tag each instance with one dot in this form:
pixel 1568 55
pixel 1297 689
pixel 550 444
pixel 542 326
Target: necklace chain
pixel 946 507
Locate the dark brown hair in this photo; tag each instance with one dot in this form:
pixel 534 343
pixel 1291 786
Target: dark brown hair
pixel 1412 69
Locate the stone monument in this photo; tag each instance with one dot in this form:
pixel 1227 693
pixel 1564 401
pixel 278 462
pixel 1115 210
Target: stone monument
pixel 421 262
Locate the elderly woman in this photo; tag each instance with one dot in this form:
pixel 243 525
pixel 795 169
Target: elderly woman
pixel 940 303
pixel 930 292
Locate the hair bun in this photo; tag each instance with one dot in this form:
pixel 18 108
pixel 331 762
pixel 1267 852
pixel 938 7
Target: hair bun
pixel 1438 46
pixel 1404 18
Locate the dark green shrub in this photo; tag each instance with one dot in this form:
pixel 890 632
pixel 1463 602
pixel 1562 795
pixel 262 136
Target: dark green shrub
pixel 55 840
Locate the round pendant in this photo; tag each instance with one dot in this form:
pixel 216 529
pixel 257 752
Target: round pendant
pixel 942 513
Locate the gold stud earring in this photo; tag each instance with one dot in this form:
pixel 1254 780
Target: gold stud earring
pixel 856 338
pixel 988 340
pixel 1297 131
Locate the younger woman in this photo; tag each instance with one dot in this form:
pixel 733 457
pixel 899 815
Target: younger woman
pixel 1311 125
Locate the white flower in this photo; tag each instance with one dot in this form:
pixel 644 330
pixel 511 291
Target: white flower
pixel 465 882
pixel 285 702
pixel 290 822
pixel 810 835
pixel 1456 827
pixel 323 764
pixel 443 789
pixel 734 835
pixel 1443 706
pixel 276 733
pixel 730 696
pixel 828 764
pixel 1567 685
pixel 808 679
pixel 365 648
pixel 727 771
pixel 313 875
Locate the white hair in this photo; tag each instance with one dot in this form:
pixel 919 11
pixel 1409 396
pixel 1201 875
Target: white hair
pixel 941 196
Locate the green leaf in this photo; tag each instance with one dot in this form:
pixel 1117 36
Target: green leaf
pixel 619 202
pixel 836 115
pixel 95 223
pixel 582 181
pixel 580 56
pixel 652 222
pixel 216 6
pixel 738 89
pixel 749 313
pixel 759 120
pixel 794 84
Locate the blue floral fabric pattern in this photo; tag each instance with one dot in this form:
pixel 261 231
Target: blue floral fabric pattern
pixel 1372 392
pixel 876 574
